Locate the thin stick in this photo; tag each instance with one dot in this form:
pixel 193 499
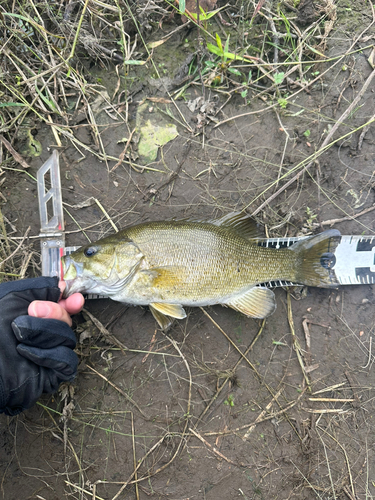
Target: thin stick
pixel 106 214
pixel 17 157
pixel 261 416
pixel 264 419
pixel 212 448
pixel 19 246
pixel 296 342
pixel 106 334
pixel 269 389
pixel 135 460
pixel 349 217
pixel 84 491
pixel 120 391
pixel 232 343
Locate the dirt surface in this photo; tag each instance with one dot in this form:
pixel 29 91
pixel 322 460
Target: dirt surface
pixel 187 414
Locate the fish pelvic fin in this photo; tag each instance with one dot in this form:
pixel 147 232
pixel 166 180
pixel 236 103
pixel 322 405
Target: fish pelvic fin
pixel 316 259
pixel 258 302
pixel 161 312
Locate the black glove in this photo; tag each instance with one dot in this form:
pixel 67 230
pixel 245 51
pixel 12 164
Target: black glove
pixel 36 354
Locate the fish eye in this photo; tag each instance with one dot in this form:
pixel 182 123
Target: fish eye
pixel 90 251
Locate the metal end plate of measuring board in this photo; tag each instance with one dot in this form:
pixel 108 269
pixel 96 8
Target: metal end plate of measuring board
pixel 355 259
pixel 51 216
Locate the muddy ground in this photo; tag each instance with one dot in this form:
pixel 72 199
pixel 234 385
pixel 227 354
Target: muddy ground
pixel 197 418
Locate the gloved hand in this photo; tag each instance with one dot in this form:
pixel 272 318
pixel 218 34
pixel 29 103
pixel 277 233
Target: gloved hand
pixel 36 354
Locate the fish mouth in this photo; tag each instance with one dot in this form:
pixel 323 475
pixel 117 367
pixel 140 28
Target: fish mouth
pixel 74 279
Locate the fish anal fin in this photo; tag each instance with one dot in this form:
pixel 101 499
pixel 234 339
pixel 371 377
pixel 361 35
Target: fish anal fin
pixel 258 302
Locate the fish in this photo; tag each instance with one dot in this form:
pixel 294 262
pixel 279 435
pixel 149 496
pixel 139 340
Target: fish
pixel 167 265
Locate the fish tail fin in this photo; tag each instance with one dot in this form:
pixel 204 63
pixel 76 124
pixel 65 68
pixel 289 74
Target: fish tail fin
pixel 316 259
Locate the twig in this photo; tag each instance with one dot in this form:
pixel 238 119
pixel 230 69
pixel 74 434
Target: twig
pixel 348 217
pixel 269 389
pixel 106 334
pixel 122 155
pixel 18 158
pixel 352 385
pixel 78 488
pixel 261 415
pixel 106 214
pixel 369 354
pixel 19 246
pixel 362 136
pixel 212 448
pixel 120 391
pixel 232 343
pixel 135 460
pixel 296 343
pixel 264 419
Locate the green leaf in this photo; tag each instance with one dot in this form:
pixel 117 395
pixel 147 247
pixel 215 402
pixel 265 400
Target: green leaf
pixel 218 41
pixel 205 16
pixel 307 133
pixel 181 6
pixel 279 78
pixel 226 48
pixel 45 99
pixel 135 62
pixel 244 93
pixel 10 104
pixel 235 71
pixel 214 49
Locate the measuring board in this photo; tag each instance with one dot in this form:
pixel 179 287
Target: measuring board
pixel 353 260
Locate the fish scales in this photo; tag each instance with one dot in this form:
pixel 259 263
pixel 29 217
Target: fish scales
pixel 213 263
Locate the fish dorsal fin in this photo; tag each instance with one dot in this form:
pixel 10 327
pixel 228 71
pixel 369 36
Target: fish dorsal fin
pixel 239 222
pixel 258 302
pixel 242 224
pixel 161 312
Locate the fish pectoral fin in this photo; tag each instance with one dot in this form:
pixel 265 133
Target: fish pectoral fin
pixel 167 276
pixel 163 312
pixel 258 302
pixel 174 310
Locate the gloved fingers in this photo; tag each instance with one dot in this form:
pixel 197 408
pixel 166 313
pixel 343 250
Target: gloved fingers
pixel 43 288
pixel 61 360
pixel 43 333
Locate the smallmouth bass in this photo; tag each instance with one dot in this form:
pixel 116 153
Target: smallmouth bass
pixel 170 264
